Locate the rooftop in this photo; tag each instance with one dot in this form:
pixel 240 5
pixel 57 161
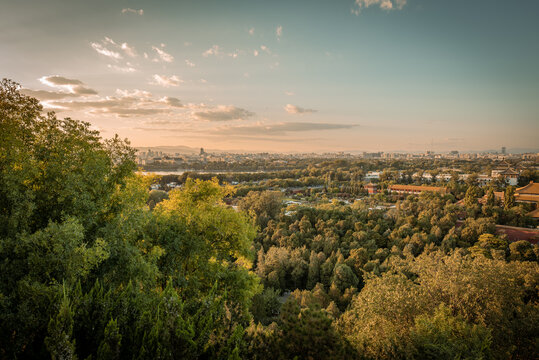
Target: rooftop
pixel 531 189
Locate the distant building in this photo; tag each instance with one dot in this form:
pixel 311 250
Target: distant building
pixel 373 175
pixel 372 189
pixel 526 194
pixel 414 189
pixel 202 152
pixel 509 175
pixel 503 150
pixel 483 180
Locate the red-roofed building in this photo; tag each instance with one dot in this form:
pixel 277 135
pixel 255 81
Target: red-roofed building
pixel 529 194
pixel 372 189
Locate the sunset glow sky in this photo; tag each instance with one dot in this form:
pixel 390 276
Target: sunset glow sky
pixel 255 75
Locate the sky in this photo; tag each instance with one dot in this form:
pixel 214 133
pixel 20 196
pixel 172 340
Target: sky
pixel 283 76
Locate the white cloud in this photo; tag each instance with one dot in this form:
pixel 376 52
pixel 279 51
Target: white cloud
pixel 279 32
pixel 44 95
pixel 382 4
pixel 189 63
pixel 126 103
pixel 110 41
pixel 172 101
pixel 132 11
pixel 106 52
pixel 265 49
pixel 110 48
pixel 123 69
pixel 136 93
pixel 162 55
pixel 57 80
pixel 129 50
pixel 292 109
pixel 289 93
pixel 223 113
pixel 165 81
pixel 255 52
pixel 252 31
pixel 214 50
pixel 386 5
pixel 72 86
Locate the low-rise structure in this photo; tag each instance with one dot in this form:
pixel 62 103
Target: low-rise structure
pixel 509 175
pixel 372 189
pixel 415 189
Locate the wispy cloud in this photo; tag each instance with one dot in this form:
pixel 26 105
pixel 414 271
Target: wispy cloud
pixel 279 32
pixel 166 81
pixel 172 101
pixel 44 95
pixel 132 11
pixel 265 49
pixel 106 52
pixel 72 86
pixel 293 109
pixel 126 103
pixel 223 113
pixel 129 50
pixel 289 93
pixel 382 4
pixel 123 69
pixel 136 93
pixel 162 55
pixel 57 80
pixel 251 31
pixel 279 129
pixel 189 63
pixel 214 50
pixel 112 49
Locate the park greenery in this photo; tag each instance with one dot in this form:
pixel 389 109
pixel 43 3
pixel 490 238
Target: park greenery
pixel 95 265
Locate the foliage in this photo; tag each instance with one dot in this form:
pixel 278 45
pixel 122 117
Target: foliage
pixel 494 294
pixel 444 336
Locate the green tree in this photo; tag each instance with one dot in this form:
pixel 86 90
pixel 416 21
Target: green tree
pixel 205 242
pixel 444 336
pixel 59 340
pixel 308 334
pixel 509 198
pixel 380 318
pixel 264 205
pixel 156 196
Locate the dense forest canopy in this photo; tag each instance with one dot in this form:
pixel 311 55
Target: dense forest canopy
pixel 95 265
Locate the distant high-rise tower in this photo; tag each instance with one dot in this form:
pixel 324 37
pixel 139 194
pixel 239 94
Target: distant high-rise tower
pixel 503 150
pixel 202 151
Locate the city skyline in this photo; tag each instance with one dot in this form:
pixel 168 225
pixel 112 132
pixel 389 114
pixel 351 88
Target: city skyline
pixel 363 75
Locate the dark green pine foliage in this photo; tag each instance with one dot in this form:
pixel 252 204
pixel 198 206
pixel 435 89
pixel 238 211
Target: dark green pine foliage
pixel 110 346
pixel 59 339
pixel 308 334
